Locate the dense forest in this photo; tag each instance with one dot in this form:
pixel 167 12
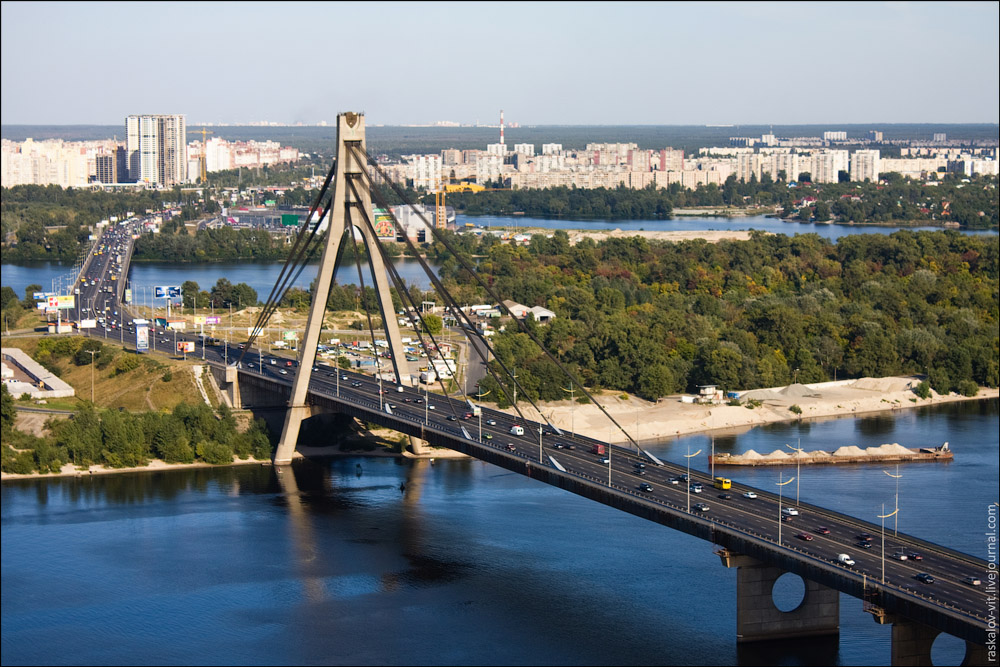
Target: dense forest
pixel 655 318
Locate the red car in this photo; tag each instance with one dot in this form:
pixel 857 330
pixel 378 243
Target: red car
pixel 823 530
pixel 805 537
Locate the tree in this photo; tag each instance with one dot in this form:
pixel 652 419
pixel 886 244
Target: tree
pixel 822 211
pixel 7 410
pixel 432 324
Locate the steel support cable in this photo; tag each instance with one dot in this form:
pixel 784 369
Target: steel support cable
pixel 302 232
pixel 293 259
pixel 282 286
pixel 400 287
pixel 454 307
pixel 465 264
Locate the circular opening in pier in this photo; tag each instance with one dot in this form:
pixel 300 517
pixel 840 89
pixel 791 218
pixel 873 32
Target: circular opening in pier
pixel 788 592
pixel 947 650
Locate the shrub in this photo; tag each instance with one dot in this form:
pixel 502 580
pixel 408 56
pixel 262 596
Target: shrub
pixel 968 388
pixel 923 390
pixel 795 409
pixel 215 453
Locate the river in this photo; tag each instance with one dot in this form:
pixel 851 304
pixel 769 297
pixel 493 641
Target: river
pixel 262 276
pixel 468 564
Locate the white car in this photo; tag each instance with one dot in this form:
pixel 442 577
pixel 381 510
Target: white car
pixel 750 494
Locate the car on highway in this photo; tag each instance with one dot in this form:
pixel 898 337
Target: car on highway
pixel 511 447
pixel 487 436
pixel 915 556
pixel 726 496
pixel 605 460
pixel 646 488
pixel 923 577
pixel 972 581
pixel 805 537
pixel 750 494
pixel 558 445
pixel 845 559
pixel 283 371
pixel 640 466
pixel 700 507
pixel 866 537
pixel 452 418
pixel 353 384
pixel 675 480
pixel 789 511
pixel 898 555
pixel 823 530
pixel 695 488
pixel 491 422
pixel 864 545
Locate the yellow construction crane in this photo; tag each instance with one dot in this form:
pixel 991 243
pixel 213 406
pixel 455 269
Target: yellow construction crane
pixel 202 163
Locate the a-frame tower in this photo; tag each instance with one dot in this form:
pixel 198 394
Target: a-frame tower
pixel 350 210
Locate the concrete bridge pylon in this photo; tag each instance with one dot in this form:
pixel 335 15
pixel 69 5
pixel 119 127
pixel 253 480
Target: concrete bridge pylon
pixel 350 210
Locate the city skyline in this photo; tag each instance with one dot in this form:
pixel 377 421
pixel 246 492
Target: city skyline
pixel 674 64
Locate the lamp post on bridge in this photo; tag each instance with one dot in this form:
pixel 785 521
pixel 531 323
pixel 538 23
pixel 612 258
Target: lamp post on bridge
pixel 572 409
pixel 479 410
pixel 884 516
pixel 798 468
pixel 895 515
pixel 689 456
pixel 781 484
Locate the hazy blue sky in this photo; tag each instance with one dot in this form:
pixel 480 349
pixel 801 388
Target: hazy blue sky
pixel 543 63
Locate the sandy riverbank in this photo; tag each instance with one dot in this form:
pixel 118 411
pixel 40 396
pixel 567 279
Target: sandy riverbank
pixel 669 417
pixel 710 235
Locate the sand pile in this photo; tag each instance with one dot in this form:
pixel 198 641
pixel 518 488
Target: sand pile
pixel 894 448
pixel 798 391
pixel 776 455
pixel 883 385
pixel 761 395
pixel 852 450
pixel 751 454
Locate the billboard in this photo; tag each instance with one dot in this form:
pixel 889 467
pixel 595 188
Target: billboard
pixel 166 292
pixel 185 346
pixel 87 324
pixel 61 302
pixel 382 222
pixel 128 295
pixel 213 319
pixel 290 335
pixel 289 220
pixel 141 335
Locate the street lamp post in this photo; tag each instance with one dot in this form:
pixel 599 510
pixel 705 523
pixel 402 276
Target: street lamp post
pixel 798 469
pixel 92 353
pixel 572 409
pixel 884 516
pixel 895 521
pixel 689 456
pixel 781 484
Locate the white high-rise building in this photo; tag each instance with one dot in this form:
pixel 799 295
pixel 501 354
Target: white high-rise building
pixel 156 149
pixel 865 166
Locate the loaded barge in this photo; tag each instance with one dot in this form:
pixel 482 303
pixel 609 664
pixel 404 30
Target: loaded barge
pixel 888 453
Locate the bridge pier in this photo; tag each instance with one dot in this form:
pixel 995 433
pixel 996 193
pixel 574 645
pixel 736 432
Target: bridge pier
pixel 290 433
pixel 912 642
pixel 233 387
pixel 757 617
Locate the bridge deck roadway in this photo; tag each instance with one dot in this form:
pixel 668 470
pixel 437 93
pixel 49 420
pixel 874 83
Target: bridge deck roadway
pixel 741 525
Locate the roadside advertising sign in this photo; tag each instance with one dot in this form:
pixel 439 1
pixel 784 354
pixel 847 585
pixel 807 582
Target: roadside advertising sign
pixel 199 320
pixel 88 324
pixel 213 319
pixel 166 291
pixel 290 335
pixel 141 335
pixel 185 346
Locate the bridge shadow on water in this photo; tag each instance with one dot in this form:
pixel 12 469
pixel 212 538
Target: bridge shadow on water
pixel 806 651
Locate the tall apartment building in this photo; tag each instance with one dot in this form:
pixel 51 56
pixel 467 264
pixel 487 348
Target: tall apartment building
pixel 105 169
pixel 835 136
pixel 865 166
pixel 157 149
